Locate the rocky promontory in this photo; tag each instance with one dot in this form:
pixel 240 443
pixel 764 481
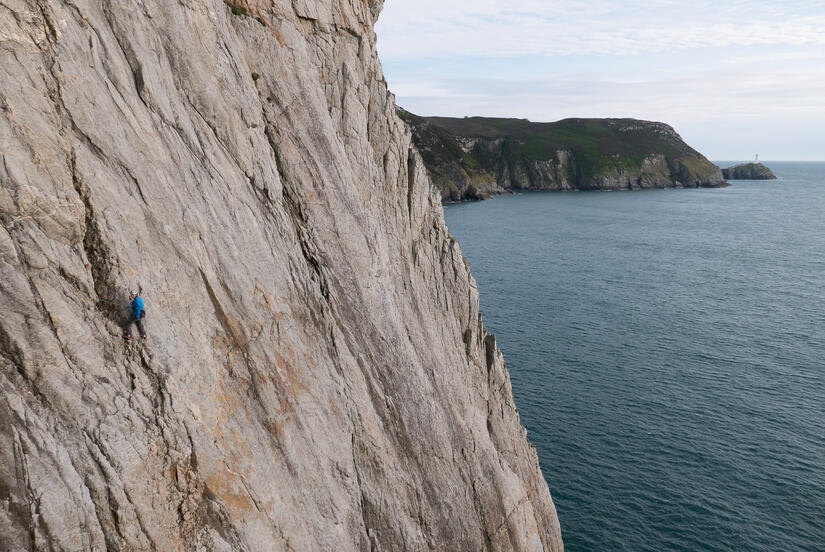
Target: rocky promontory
pixel 317 376
pixel 475 157
pixel 748 171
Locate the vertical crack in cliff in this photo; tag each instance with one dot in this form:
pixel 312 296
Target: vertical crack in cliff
pixel 363 499
pixel 13 352
pixel 412 162
pixel 299 219
pixel 129 54
pixel 17 508
pixel 107 470
pixel 308 249
pixel 233 330
pixel 97 252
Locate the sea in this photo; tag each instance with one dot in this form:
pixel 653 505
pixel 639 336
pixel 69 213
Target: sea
pixel 667 354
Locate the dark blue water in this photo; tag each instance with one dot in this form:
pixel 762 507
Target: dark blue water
pixel 667 354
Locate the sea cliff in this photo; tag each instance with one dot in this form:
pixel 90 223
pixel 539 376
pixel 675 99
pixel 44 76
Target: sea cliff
pixel 317 375
pixel 475 157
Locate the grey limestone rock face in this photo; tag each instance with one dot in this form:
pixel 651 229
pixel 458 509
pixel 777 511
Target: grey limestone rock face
pixel 317 375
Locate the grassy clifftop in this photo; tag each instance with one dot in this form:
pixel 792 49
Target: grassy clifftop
pixel 474 156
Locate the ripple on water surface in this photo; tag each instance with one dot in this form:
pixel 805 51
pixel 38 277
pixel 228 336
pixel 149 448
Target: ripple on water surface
pixel 667 353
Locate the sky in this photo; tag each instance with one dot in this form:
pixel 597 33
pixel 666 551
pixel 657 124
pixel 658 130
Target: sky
pixel 735 77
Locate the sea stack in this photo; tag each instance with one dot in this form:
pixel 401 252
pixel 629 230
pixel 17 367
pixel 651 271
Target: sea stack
pixel 748 171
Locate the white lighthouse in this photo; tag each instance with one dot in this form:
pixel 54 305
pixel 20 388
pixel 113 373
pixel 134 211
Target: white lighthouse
pixel 756 161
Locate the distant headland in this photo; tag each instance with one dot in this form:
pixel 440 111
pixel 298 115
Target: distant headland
pixel 477 157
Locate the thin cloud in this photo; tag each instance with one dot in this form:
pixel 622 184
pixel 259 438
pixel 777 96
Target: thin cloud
pixel 712 94
pixel 774 57
pixel 432 28
pixel 737 68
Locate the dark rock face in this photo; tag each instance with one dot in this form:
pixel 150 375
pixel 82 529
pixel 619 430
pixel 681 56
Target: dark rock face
pixel 748 171
pixel 477 156
pixel 317 375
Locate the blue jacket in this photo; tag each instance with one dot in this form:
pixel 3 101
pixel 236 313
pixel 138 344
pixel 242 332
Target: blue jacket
pixel 137 307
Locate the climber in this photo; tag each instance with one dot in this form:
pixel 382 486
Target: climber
pixel 135 316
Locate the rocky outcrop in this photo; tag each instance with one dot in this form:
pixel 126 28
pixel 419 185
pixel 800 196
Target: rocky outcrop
pixel 317 375
pixel 476 157
pixel 748 171
pixel 455 172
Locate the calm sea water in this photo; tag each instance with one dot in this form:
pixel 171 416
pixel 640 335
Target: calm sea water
pixel 667 354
